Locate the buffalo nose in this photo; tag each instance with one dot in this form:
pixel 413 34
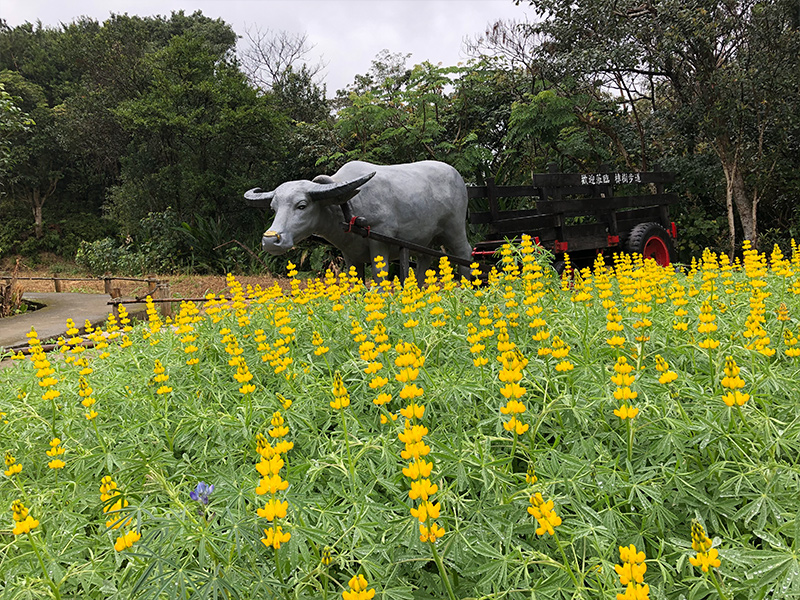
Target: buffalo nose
pixel 273 234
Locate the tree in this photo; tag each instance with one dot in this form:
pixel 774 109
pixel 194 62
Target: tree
pixel 36 158
pixel 729 69
pixel 271 57
pixel 199 136
pixel 77 75
pixel 395 114
pixel 13 121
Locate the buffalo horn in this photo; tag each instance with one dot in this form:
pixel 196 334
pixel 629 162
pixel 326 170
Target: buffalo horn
pixel 326 191
pixel 259 199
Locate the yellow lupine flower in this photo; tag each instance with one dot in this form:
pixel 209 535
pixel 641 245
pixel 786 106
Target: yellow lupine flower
pixel 409 392
pixel 414 411
pixel 631 574
pixel 530 475
pixel 544 514
pixel 423 489
pixel 358 589
pixel 275 536
pixel 126 541
pixel 412 434
pixel 273 509
pixel 341 399
pixel 23 521
pixel 426 510
pixel 12 466
pixel 271 485
pixel 625 393
pixel 626 412
pixel 706 556
pixel 419 468
pixel 25 526
pixel 512 407
pixel 270 466
pixel 430 534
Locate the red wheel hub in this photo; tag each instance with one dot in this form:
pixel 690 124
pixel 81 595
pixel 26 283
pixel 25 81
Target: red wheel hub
pixel 656 249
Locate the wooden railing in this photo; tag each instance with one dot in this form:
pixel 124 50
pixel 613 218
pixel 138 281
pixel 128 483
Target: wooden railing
pixel 108 282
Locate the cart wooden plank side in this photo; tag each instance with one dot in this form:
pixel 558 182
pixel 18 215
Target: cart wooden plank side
pixel 581 214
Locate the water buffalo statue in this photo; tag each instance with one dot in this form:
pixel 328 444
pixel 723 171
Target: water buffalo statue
pixel 423 202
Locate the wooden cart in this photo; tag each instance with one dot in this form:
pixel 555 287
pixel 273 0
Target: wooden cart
pixel 582 214
pixel 579 214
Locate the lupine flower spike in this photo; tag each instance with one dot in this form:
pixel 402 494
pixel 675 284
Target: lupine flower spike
pixel 706 555
pixel 12 466
pixel 631 572
pixel 544 514
pixel 202 492
pixel 113 502
pixel 56 450
pixel 623 380
pixel 23 522
pixel 733 383
pixel 271 482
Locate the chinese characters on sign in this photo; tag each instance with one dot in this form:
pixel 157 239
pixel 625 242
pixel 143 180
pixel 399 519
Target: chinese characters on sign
pixel 595 179
pixel 605 178
pixel 627 178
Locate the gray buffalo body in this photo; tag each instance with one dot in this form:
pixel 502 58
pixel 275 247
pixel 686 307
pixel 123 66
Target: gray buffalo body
pixel 423 202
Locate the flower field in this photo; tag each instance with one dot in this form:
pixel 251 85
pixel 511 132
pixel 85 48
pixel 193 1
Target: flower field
pixel 628 431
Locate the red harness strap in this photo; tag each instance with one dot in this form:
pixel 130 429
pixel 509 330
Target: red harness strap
pixel 353 222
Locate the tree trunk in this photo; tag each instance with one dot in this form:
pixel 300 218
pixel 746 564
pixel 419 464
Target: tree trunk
pixel 36 203
pixel 736 192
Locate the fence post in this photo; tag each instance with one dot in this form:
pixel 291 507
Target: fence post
pixel 107 283
pixel 491 194
pixel 165 293
pixel 57 283
pixel 151 285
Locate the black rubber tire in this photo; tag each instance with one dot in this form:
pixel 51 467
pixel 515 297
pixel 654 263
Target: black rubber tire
pixel 651 240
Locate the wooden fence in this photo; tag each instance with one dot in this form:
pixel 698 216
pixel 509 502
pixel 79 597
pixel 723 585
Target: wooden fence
pixel 158 289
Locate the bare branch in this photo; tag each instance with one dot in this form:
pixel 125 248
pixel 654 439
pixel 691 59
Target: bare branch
pixel 270 55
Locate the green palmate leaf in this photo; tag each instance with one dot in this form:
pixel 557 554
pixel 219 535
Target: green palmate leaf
pixel 772 539
pixel 775 573
pixel 796 532
pixel 398 593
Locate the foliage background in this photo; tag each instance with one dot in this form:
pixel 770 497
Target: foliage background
pixel 106 124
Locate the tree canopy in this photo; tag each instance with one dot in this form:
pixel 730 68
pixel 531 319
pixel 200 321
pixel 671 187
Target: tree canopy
pixel 134 125
pixel 725 73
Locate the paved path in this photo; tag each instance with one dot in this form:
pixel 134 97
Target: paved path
pixel 50 322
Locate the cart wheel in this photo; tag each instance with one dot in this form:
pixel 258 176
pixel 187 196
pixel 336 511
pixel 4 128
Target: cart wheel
pixel 650 240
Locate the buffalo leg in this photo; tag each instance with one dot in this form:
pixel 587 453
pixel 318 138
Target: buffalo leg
pixel 359 267
pixel 457 244
pixel 377 249
pixel 424 262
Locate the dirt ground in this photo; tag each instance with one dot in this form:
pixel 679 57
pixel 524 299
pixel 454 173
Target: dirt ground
pixel 180 286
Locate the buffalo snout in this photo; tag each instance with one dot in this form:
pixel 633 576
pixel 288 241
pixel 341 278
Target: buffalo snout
pixel 275 242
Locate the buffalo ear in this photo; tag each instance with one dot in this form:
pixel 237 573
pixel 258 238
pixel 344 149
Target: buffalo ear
pixel 259 199
pixel 337 193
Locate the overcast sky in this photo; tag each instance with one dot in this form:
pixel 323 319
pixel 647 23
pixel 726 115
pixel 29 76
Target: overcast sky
pixel 347 34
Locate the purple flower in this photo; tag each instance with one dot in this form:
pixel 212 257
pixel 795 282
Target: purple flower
pixel 201 492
